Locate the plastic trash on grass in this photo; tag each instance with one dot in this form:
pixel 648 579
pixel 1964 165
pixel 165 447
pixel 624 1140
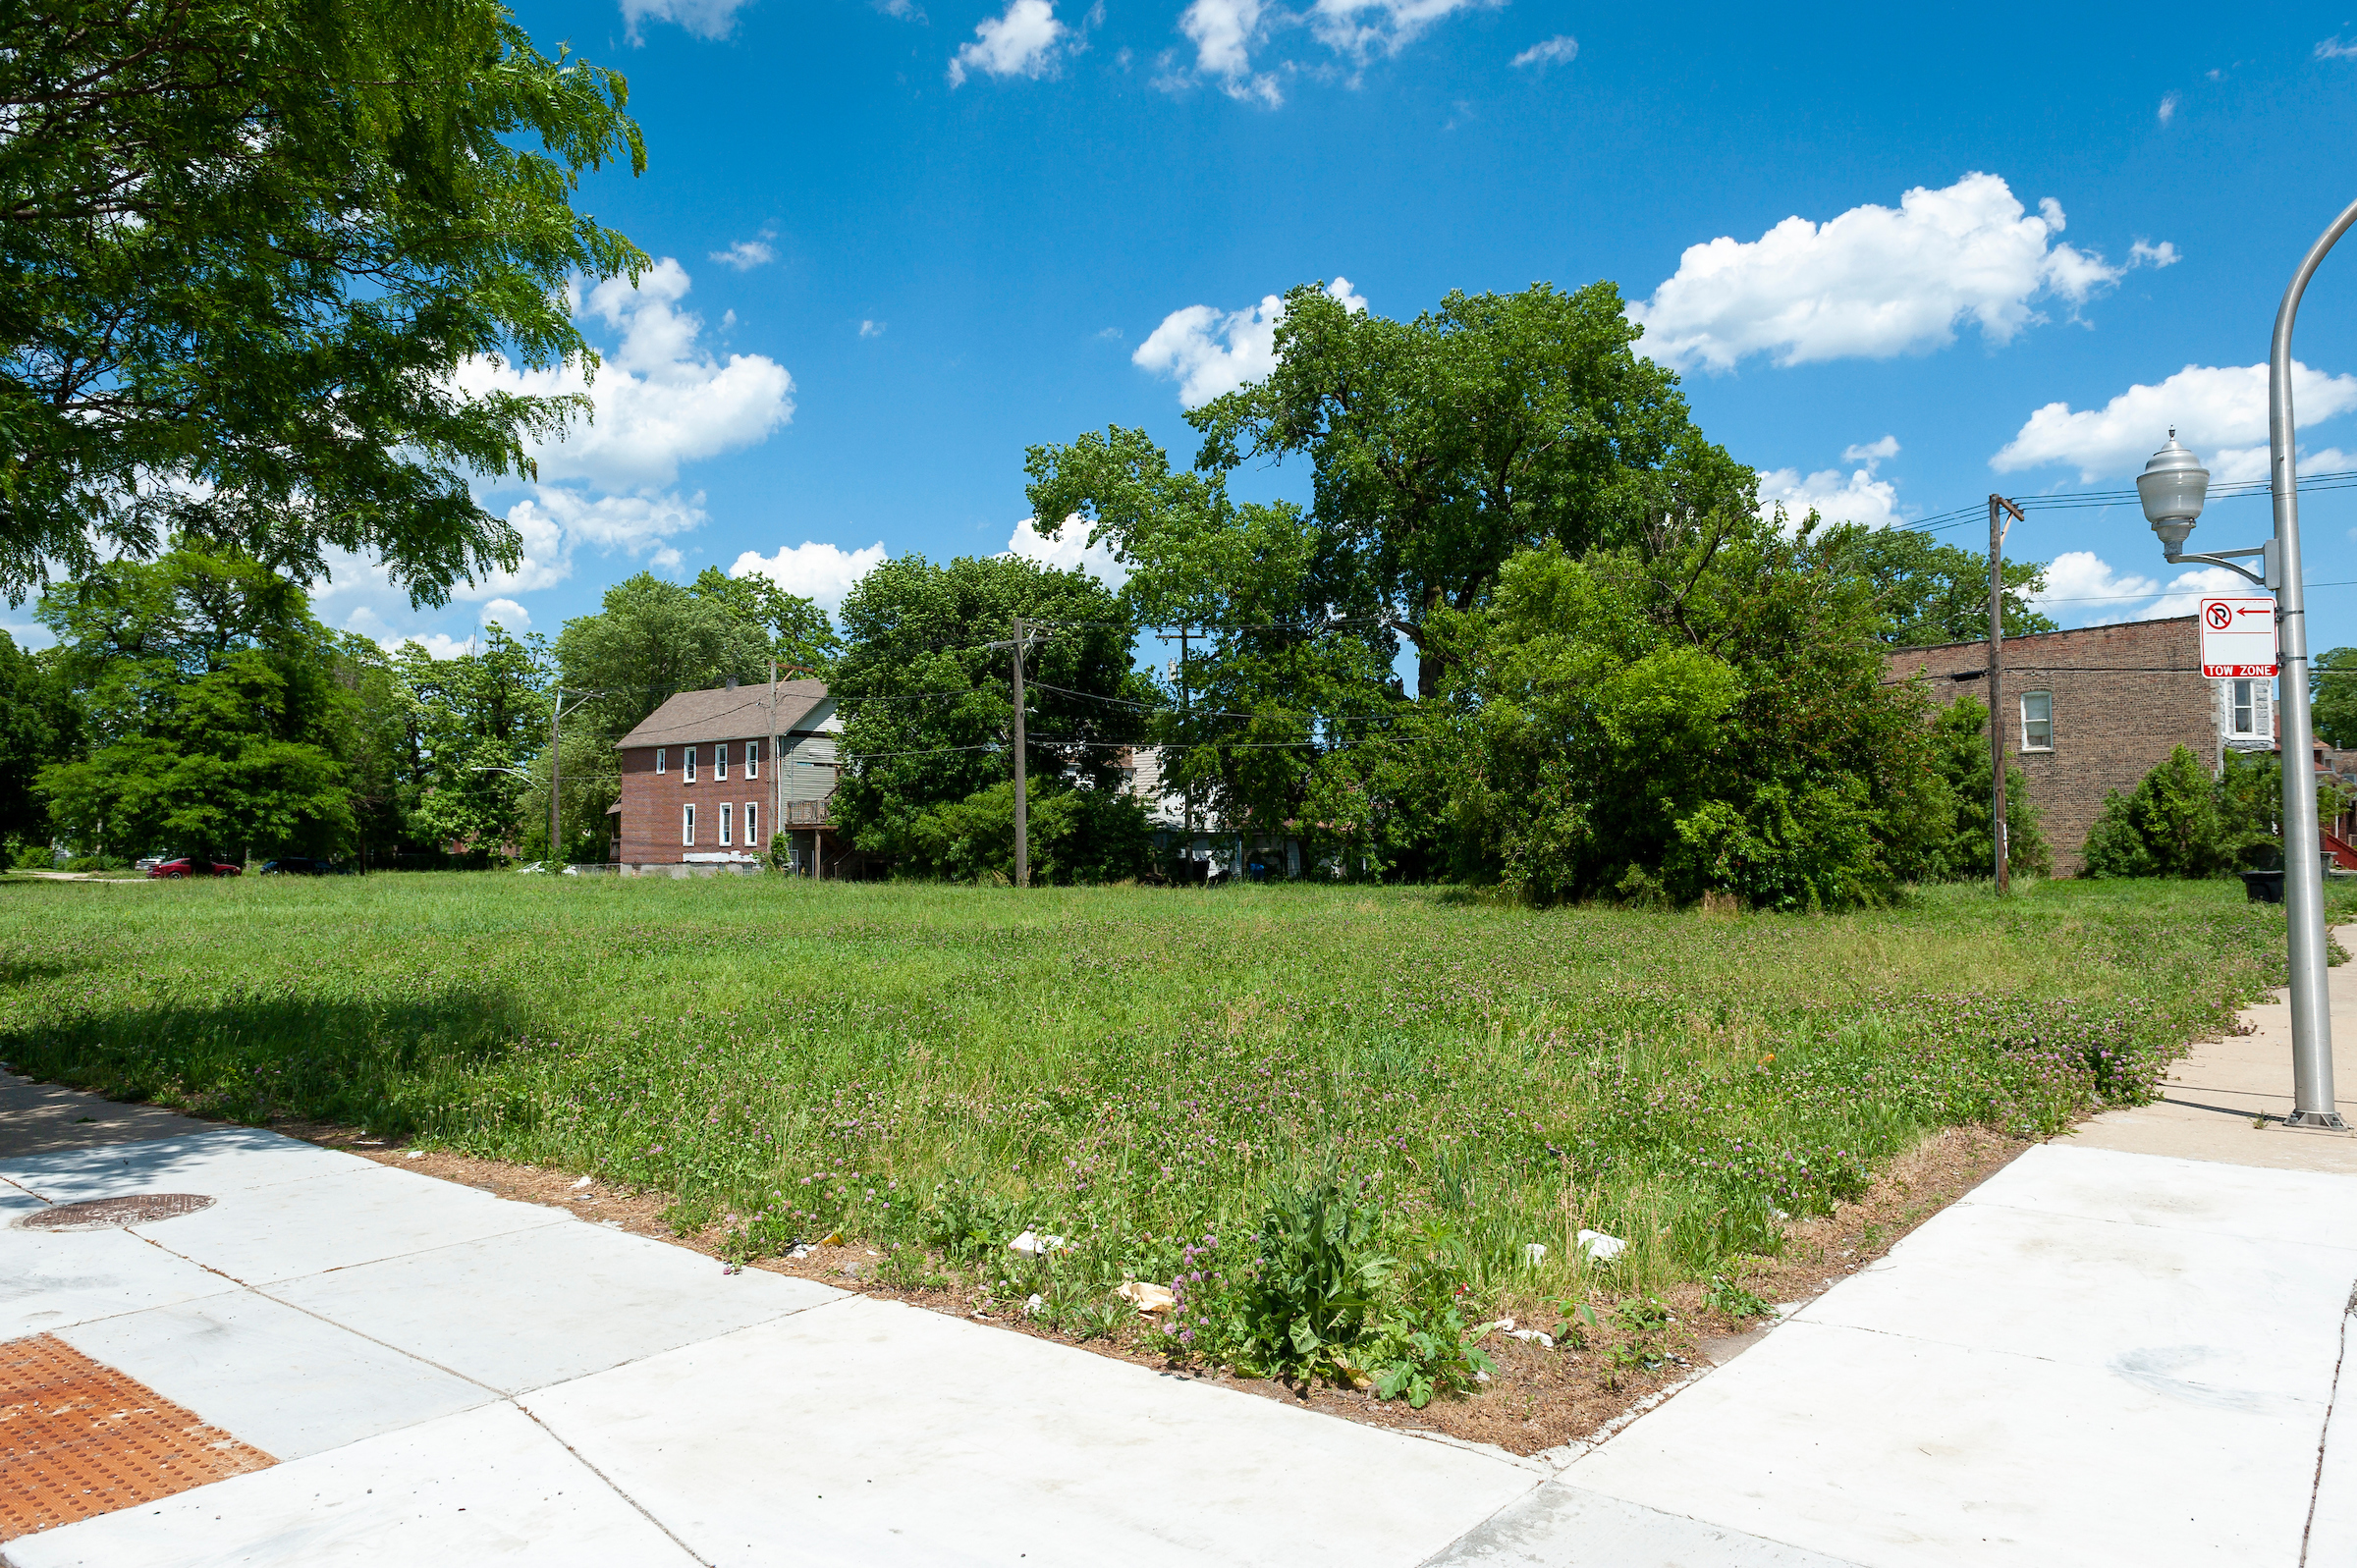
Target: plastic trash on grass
pixel 1032 1245
pixel 1597 1247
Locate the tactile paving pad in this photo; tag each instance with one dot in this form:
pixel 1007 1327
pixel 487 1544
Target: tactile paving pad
pixel 79 1438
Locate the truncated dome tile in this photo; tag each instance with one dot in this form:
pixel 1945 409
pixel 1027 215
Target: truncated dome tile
pixel 77 1439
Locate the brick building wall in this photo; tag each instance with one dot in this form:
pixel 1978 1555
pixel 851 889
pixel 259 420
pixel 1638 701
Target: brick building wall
pixel 2122 697
pixel 653 803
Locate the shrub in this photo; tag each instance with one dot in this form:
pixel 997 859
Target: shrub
pixel 1082 836
pixel 2181 821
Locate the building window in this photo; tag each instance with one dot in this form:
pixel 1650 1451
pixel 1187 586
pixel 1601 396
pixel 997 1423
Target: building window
pixel 659 759
pixel 687 763
pixel 2037 721
pixel 2246 710
pixel 752 762
pixel 753 826
pixel 687 826
pixel 725 840
pixel 720 761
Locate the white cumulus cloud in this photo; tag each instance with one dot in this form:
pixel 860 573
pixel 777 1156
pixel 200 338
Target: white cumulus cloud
pixel 1020 43
pixel 2143 253
pixel 745 254
pixel 1228 33
pixel 1209 351
pixel 1361 29
pixel 871 328
pixel 507 615
pixel 706 19
pixel 659 399
pixel 2217 410
pixel 1835 495
pixel 2082 589
pixel 2169 108
pixel 1873 282
pixel 1560 50
pixel 820 573
pixel 1069 549
pixel 1225 33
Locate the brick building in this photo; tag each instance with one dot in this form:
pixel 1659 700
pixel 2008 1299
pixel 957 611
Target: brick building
pixel 708 777
pixel 2095 710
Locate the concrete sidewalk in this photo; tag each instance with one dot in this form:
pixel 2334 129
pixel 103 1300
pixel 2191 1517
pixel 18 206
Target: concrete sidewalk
pixel 2121 1349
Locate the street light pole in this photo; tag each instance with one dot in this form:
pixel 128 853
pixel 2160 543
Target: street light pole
pixel 2172 487
pixel 2312 1103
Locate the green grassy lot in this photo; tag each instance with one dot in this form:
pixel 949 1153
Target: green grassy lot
pixel 1133 1068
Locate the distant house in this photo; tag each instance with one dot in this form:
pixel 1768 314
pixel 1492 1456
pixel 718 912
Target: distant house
pixel 709 779
pixel 2095 710
pixel 1193 844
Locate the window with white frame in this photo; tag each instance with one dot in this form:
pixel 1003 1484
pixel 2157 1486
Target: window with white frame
pixel 659 759
pixel 2250 711
pixel 720 761
pixel 687 763
pixel 687 826
pixel 753 826
pixel 2037 721
pixel 725 824
pixel 752 762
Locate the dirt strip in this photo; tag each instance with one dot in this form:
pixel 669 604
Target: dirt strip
pixel 1539 1398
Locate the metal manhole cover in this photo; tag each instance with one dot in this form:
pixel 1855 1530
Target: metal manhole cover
pixel 111 1214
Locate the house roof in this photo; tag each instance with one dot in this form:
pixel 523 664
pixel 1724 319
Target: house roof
pixel 726 713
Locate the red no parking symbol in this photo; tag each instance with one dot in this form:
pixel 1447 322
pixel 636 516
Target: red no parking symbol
pixel 2219 615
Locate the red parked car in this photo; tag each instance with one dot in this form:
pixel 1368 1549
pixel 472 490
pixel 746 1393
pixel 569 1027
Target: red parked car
pixel 197 866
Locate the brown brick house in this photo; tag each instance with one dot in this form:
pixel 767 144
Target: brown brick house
pixel 2091 711
pixel 710 776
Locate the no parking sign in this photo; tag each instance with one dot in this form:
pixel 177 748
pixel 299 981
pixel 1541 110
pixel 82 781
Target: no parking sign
pixel 2238 637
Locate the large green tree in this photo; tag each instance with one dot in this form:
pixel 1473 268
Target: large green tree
pixel 1279 698
pixel 1443 446
pixel 928 704
pixel 39 726
pixel 2333 686
pixel 1703 712
pixel 481 720
pixel 245 245
pixel 1930 592
pixel 215 720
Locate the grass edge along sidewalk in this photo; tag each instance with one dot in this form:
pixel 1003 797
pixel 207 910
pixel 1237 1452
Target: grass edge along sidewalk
pixel 1336 1121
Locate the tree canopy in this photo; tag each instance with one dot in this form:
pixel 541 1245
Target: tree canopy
pixel 2332 687
pixel 215 724
pixel 928 706
pixel 1929 592
pixel 245 245
pixel 1441 446
pixel 1703 711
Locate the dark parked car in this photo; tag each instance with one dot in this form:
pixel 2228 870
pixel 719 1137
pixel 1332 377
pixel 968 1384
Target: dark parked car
pixel 300 866
pixel 197 866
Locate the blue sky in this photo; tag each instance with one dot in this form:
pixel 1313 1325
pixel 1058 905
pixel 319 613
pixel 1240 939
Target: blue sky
pixel 900 241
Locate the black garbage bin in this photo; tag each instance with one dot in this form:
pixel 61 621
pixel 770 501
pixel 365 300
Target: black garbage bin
pixel 2263 887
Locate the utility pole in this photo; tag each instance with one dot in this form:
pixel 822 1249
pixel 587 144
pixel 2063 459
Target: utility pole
pixel 1022 794
pixel 556 853
pixel 777 790
pixel 1187 735
pixel 1999 507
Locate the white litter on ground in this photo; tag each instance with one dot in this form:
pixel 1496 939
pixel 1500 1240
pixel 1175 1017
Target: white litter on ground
pixel 1033 1246
pixel 1597 1247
